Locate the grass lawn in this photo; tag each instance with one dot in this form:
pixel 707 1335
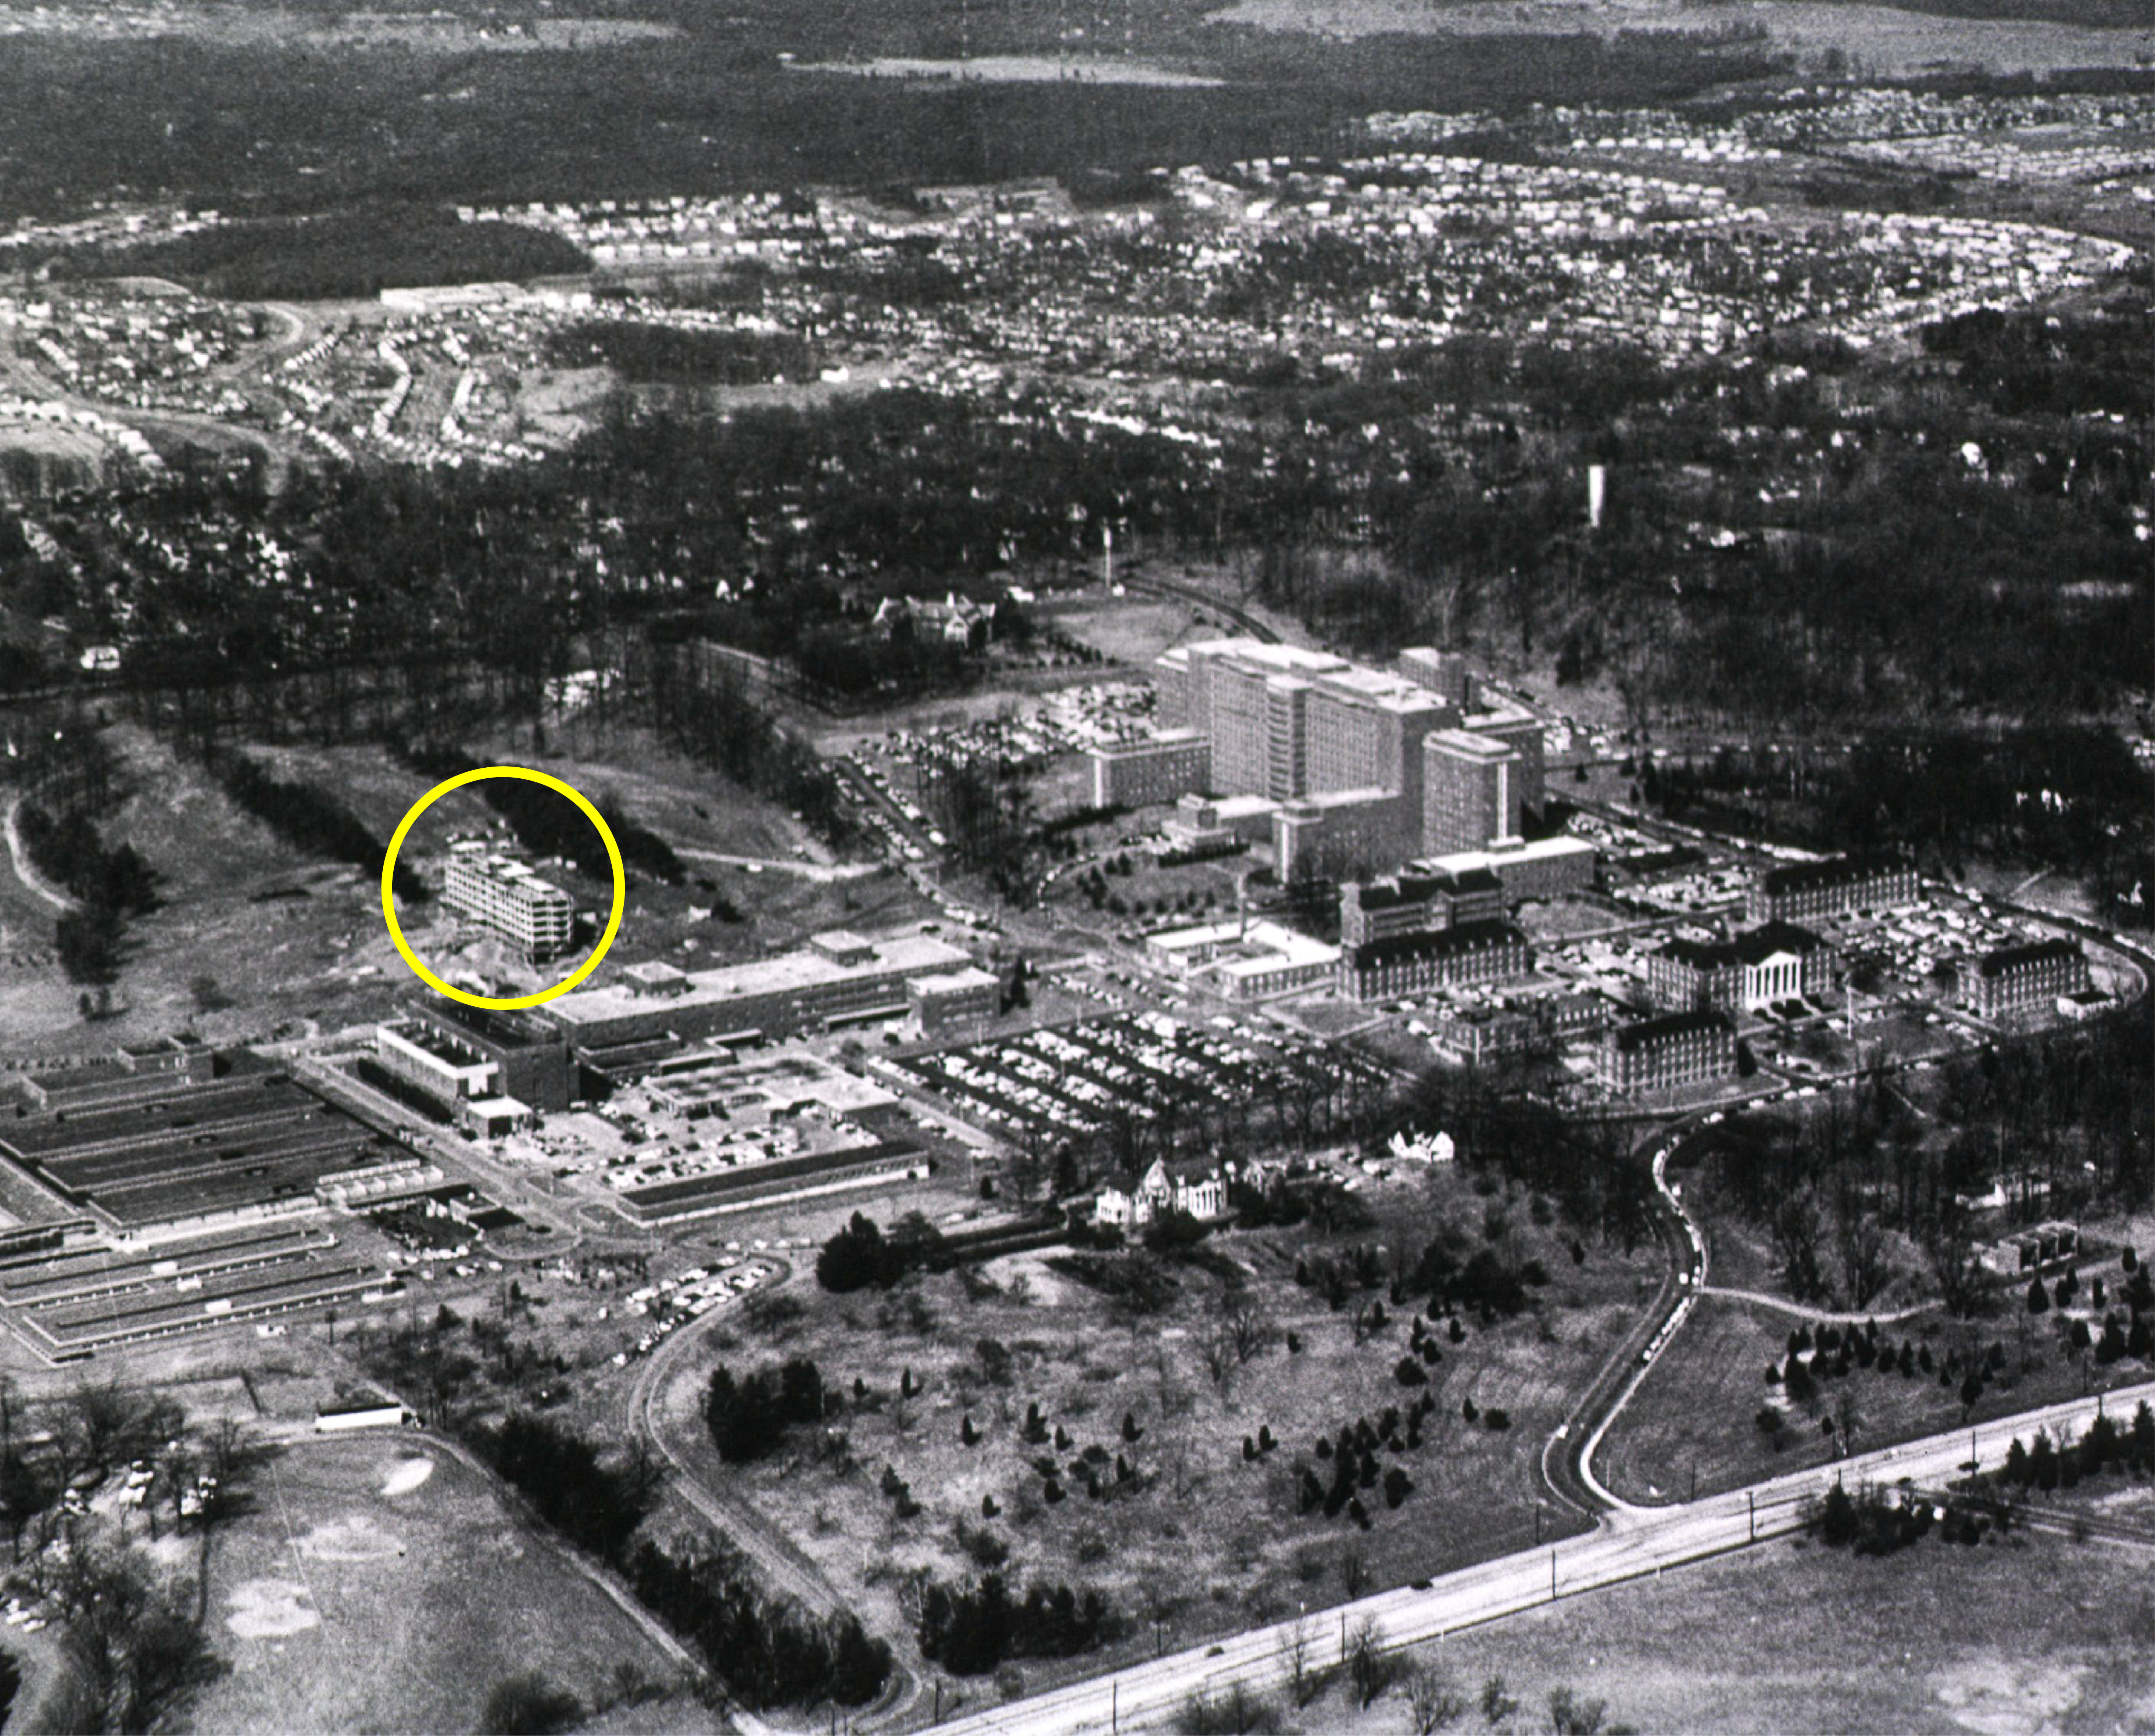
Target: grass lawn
pixel 1698 1409
pixel 1201 1537
pixel 379 1584
pixel 2034 1632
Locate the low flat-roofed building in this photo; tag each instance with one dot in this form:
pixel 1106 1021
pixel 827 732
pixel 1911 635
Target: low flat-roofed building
pixel 493 1117
pixel 1540 869
pixel 249 1144
pixel 454 1053
pixel 837 978
pixel 1207 826
pixel 1245 960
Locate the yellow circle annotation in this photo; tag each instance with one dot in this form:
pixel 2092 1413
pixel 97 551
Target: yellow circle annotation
pixel 511 1002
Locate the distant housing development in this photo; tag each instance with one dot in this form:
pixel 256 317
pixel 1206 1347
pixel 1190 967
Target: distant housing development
pixel 508 897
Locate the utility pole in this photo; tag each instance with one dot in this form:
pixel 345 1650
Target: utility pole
pixel 1115 1705
pixel 1552 1575
pixel 1751 1501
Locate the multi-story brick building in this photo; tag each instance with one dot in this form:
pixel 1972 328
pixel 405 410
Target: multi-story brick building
pixel 2017 979
pixel 508 897
pixel 1676 1048
pixel 1153 770
pixel 1414 963
pixel 1406 904
pixel 1776 960
pixel 1802 891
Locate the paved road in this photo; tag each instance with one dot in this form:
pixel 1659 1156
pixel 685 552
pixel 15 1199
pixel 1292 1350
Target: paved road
pixel 1825 1316
pixel 699 1482
pixel 781 865
pixel 1629 1546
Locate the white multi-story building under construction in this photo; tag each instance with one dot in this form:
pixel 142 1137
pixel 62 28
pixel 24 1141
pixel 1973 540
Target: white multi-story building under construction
pixel 508 897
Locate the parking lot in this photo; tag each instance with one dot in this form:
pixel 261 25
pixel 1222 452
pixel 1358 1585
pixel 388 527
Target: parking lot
pixel 1070 1082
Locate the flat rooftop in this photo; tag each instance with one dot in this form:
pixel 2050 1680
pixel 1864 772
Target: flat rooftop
pixel 1538 850
pixel 905 955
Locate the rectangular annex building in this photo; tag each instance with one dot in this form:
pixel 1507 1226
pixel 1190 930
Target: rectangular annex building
pixel 1411 964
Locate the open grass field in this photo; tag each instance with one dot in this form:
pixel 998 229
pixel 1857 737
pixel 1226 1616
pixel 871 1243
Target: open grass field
pixel 1697 1410
pixel 2033 1633
pixel 1886 41
pixel 1198 1537
pixel 379 1584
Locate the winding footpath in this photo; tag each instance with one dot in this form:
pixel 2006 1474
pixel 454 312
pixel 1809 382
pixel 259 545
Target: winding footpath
pixel 20 858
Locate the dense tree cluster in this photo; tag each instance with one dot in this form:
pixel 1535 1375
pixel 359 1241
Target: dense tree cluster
pixel 596 1506
pixel 649 354
pixel 109 883
pixel 749 1418
pixel 768 1651
pixel 2072 1109
pixel 307 817
pixel 548 825
pixel 341 256
pixel 972 1630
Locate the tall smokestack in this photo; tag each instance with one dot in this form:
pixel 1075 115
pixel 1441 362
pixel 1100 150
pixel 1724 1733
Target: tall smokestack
pixel 1597 493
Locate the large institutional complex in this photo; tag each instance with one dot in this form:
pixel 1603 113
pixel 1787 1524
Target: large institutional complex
pixel 1339 767
pixel 505 895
